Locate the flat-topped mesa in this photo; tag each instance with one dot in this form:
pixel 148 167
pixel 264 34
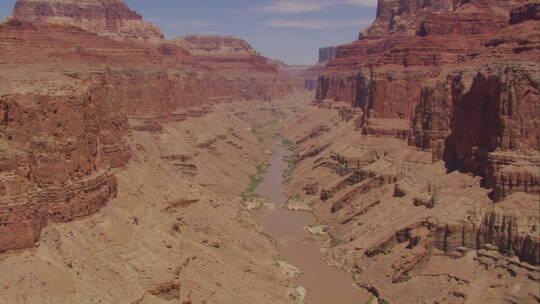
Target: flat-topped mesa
pixel 480 116
pixel 111 18
pixel 215 45
pixel 225 54
pixel 406 43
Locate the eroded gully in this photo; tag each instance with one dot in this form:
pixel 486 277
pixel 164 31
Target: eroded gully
pixel 324 284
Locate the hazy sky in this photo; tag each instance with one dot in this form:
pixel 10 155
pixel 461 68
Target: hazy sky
pixel 288 30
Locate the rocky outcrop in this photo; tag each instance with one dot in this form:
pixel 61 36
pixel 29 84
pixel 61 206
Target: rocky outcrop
pixel 408 17
pixel 409 42
pixel 54 167
pixel 399 222
pixel 327 53
pixel 175 216
pixel 403 16
pixel 407 80
pixel 224 54
pixel 499 230
pixel 215 45
pixel 495 97
pixel 67 108
pixel 451 90
pixel 113 19
pixel 501 104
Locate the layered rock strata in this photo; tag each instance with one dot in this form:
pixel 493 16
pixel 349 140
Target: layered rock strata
pixel 176 231
pixel 416 81
pixel 113 19
pixel 431 174
pixel 225 54
pixel 215 45
pixel 121 162
pixel 399 222
pixel 68 107
pixel 56 151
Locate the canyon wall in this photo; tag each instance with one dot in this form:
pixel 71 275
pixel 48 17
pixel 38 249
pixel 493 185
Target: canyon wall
pixel 412 61
pixel 421 153
pixel 56 155
pixel 68 107
pixel 113 19
pixel 215 45
pixel 225 54
pixel 176 231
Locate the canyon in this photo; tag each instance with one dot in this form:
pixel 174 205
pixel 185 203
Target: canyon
pixel 439 184
pixel 125 158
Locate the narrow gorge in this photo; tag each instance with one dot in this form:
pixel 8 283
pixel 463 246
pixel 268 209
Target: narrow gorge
pixel 401 168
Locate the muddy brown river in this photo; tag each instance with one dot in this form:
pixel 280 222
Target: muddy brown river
pixel 324 284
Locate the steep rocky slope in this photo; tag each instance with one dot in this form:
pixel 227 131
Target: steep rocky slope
pixel 406 229
pixel 215 45
pixel 92 181
pixel 422 153
pixel 176 231
pixel 113 19
pixel 224 53
pixel 65 107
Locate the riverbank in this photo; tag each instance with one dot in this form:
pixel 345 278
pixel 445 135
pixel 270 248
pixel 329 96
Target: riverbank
pixel 177 232
pixel 399 222
pixel 296 244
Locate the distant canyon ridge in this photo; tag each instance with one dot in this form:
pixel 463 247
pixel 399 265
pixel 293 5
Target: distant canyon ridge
pixel 123 154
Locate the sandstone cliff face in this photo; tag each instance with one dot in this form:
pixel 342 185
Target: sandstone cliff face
pixel 54 166
pixel 458 81
pixel 215 45
pixel 68 107
pixel 488 107
pixel 399 222
pixel 406 73
pixel 529 11
pixel 224 54
pixel 403 16
pixel 175 230
pixel 113 19
pixel 108 153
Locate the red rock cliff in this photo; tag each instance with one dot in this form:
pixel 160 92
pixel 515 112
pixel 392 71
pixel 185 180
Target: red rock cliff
pixel 457 78
pixel 215 45
pixel 224 53
pixel 109 18
pixel 67 108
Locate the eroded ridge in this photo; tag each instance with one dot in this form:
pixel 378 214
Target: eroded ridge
pixel 421 153
pixel 400 221
pixel 68 108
